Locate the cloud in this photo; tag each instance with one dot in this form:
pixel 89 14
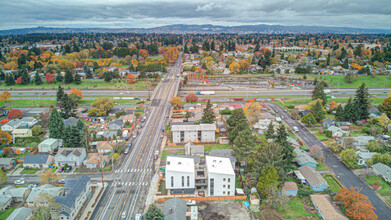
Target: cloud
pixel 152 13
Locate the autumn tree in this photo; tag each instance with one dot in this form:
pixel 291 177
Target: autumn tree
pixel 45 207
pixel 131 78
pixel 349 156
pixel 101 107
pixel 308 119
pixel 143 53
pixel 15 114
pixel 77 92
pixel 269 177
pixel 5 96
pixel 357 205
pixel 5 138
pixel 234 67
pixel 3 177
pixel 383 120
pixel 316 152
pixel 252 110
pixel 386 106
pixel 176 102
pixel 191 98
pixel 49 176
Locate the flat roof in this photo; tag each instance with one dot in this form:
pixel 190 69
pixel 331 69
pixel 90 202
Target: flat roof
pixel 221 165
pixel 180 164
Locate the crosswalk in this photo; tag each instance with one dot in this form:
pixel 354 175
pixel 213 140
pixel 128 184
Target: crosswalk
pixel 133 170
pixel 130 183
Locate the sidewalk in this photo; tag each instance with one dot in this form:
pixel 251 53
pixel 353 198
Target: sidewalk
pixel 89 209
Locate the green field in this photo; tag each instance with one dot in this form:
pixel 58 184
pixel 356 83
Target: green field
pixel 295 102
pixel 166 153
pixel 377 82
pixel 4 215
pixel 89 84
pixel 333 184
pixel 295 209
pixel 215 146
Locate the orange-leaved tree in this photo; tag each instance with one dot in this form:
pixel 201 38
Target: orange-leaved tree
pixel 191 98
pixel 77 92
pixel 144 53
pixel 176 102
pixel 5 96
pixel 131 78
pixel 5 138
pixel 333 105
pixel 15 114
pixel 357 206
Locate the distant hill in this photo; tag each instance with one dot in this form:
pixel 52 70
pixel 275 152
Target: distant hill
pixel 207 29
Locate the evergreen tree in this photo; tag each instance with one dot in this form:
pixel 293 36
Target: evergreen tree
pixel 25 78
pixel 2 75
pixel 206 46
pixel 317 111
pixel 319 93
pixel 68 107
pixel 328 60
pixel 339 113
pixel 59 77
pixel 89 74
pixel 9 80
pixel 350 111
pixel 56 125
pixel 154 213
pixel 243 144
pixel 73 137
pixel 345 64
pixel 80 125
pixel 269 177
pixel 362 102
pixel 186 50
pixel 37 79
pixel 270 131
pixel 237 117
pixel 212 45
pixel 257 48
pixel 286 147
pixel 208 116
pixel 95 66
pixel 282 56
pixel 85 138
pixel 236 130
pixel 268 154
pixel 60 93
pixel 68 77
pixel 77 79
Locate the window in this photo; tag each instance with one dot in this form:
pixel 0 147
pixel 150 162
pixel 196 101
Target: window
pixel 223 179
pixel 211 186
pixel 223 192
pixel 188 181
pixel 223 186
pixel 183 181
pixel 228 192
pixel 172 181
pixel 229 180
pixel 229 186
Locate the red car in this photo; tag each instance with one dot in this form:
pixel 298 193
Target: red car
pixel 60 169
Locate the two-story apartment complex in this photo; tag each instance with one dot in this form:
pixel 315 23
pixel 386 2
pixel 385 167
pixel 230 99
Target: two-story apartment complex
pixel 193 133
pixel 180 175
pixel 70 156
pixel 221 176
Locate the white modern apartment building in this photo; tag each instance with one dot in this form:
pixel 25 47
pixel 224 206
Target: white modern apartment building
pixel 180 175
pixel 193 133
pixel 221 176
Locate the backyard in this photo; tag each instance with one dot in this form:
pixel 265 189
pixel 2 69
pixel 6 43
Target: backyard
pixel 333 184
pixel 385 188
pixel 295 210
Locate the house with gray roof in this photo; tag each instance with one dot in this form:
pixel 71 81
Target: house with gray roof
pixel 10 194
pixel 364 155
pixel 193 133
pixel 7 163
pixel 25 123
pixel 106 134
pixel 337 131
pixel 304 159
pixel 115 125
pixel 37 161
pixel 49 145
pixel 175 209
pixel 70 122
pixel 192 149
pixel 47 188
pixel 360 141
pixel 382 170
pixel 77 191
pixel 313 178
pixel 72 156
pixel 293 141
pixel 327 123
pixel 21 213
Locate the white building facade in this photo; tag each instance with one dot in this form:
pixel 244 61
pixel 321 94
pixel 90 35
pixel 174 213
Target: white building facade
pixel 180 175
pixel 221 176
pixel 193 133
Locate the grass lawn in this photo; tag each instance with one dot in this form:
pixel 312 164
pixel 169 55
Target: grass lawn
pixel 321 167
pixel 215 146
pixel 304 147
pixel 321 136
pixel 4 215
pixel 163 187
pixel 385 188
pixel 19 103
pixel 378 81
pixel 166 153
pixel 295 102
pixel 333 185
pixel 107 168
pixel 238 184
pixel 29 171
pixel 295 209
pixel 177 146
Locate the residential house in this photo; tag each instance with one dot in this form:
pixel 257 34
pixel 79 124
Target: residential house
pixel 382 170
pixel 21 213
pixel 221 176
pixel 314 180
pixel 299 176
pixel 374 112
pixel 364 155
pixel 49 145
pixel 70 122
pixel 337 131
pixel 77 192
pixel 304 113
pixel 47 189
pixel 300 107
pixel 105 147
pixel 263 124
pixel 11 194
pixel 11 125
pixel 304 159
pixel 327 210
pixel 339 123
pixel 290 189
pixel 362 141
pixel 293 141
pixel 128 118
pixel 7 163
pixel 107 135
pixel 226 153
pixel 16 123
pixel 327 123
pixel 115 125
pixel 70 156
pixel 180 175
pixel 192 149
pixel 175 209
pixel 193 133
pixel 95 160
pixel 21 133
pixel 38 161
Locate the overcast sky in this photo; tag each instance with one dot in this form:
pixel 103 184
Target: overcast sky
pixel 153 13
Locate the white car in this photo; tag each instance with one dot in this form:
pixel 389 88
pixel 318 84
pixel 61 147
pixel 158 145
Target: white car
pixel 19 182
pixel 138 217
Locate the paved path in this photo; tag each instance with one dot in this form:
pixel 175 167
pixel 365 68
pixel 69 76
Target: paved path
pixel 343 173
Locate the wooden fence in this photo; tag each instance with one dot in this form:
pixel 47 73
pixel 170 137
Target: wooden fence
pixel 213 198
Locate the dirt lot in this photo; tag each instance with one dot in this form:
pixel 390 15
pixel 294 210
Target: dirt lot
pixel 222 210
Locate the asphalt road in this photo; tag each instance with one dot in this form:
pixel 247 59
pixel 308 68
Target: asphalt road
pixel 342 172
pixel 127 192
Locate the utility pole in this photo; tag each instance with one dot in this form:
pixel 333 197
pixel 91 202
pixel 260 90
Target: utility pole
pixel 101 170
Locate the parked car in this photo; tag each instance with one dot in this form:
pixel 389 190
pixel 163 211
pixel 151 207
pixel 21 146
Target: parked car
pixel 295 129
pixel 191 202
pixel 126 150
pixel 31 186
pixel 60 169
pixel 156 154
pixel 62 181
pixel 19 182
pixel 130 145
pixel 68 169
pixel 282 117
pixel 123 214
pixel 138 217
pixel 162 135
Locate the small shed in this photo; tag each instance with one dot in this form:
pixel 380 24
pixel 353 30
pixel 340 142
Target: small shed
pixel 290 189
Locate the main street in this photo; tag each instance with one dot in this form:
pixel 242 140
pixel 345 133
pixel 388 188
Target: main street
pixel 126 194
pixel 344 174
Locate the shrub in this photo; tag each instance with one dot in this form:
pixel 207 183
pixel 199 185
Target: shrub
pixel 15 114
pixel 304 192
